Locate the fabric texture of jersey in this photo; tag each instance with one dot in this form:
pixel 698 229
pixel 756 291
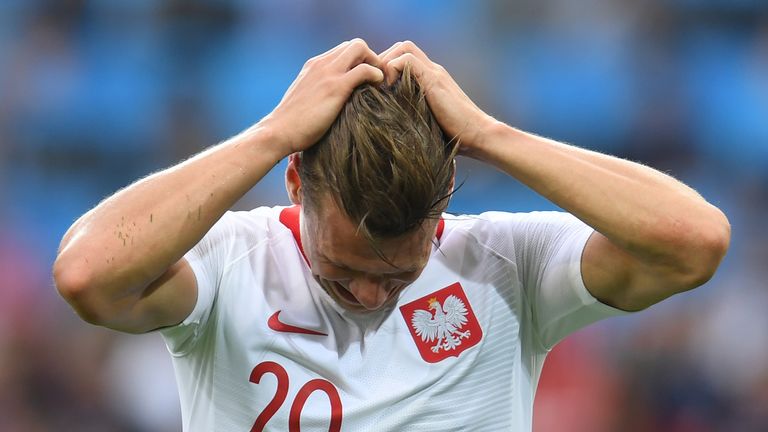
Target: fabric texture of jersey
pixel 461 351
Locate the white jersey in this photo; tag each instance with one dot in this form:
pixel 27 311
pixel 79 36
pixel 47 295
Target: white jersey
pixel 265 348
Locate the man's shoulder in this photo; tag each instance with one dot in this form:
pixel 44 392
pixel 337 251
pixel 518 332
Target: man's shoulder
pixel 248 228
pixel 498 218
pixel 476 222
pixel 500 229
pixel 257 219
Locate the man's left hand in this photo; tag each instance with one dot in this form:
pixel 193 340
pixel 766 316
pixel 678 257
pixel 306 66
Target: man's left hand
pixel 454 111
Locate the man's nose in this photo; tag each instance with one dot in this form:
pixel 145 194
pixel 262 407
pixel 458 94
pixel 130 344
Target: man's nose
pixel 372 293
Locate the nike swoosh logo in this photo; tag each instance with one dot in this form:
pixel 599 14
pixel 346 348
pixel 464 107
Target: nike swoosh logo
pixel 275 324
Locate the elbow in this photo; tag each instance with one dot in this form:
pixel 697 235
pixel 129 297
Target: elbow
pixel 707 245
pixel 70 282
pixel 74 284
pixel 90 298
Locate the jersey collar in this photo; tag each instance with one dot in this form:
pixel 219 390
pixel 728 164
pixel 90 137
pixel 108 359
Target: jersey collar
pixel 290 217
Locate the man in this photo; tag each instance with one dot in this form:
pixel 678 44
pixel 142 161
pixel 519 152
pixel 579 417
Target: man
pixel 361 307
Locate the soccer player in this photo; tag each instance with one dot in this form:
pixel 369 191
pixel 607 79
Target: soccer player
pixel 364 306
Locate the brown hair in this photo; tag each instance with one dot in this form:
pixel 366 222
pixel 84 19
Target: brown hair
pixel 384 161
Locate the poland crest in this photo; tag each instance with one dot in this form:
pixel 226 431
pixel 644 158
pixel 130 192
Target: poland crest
pixel 442 323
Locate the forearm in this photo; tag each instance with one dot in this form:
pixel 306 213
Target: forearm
pixel 641 210
pixel 132 237
pixel 656 236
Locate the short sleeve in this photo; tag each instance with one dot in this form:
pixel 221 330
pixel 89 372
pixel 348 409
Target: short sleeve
pixel 547 249
pixel 207 259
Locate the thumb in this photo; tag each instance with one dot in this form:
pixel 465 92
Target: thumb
pixel 363 73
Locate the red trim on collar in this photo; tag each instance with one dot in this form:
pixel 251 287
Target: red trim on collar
pixel 440 228
pixel 290 217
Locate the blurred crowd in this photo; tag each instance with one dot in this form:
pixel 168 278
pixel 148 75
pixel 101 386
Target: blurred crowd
pixel 95 94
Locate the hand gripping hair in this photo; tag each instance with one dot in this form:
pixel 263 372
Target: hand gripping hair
pixel 385 161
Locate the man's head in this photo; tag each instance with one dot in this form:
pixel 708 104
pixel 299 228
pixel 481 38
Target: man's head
pixel 372 191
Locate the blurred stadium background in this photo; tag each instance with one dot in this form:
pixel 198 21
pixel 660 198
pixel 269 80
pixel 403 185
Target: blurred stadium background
pixel 94 94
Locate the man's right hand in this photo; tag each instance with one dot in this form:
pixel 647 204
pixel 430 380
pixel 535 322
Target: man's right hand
pixel 121 264
pixel 317 95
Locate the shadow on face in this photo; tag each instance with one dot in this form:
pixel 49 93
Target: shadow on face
pixel 348 266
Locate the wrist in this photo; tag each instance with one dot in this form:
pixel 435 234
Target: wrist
pixel 266 140
pixel 487 136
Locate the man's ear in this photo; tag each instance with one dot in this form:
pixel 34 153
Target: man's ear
pixel 292 179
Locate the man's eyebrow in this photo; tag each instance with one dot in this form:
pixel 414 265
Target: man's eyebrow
pixel 346 267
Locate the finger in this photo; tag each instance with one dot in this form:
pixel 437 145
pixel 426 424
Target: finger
pixel 340 46
pixel 389 50
pixel 363 73
pixel 355 53
pixel 393 68
pixel 404 47
pixel 332 51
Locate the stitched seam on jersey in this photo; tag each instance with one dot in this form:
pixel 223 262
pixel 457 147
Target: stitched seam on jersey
pixel 536 335
pixel 247 252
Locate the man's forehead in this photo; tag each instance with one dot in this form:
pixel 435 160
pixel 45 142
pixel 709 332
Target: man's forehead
pixel 375 264
pixel 347 248
pixel 339 241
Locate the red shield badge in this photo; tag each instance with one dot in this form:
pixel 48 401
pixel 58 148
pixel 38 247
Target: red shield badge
pixel 442 323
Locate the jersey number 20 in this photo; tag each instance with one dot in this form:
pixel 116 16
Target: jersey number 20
pixel 294 417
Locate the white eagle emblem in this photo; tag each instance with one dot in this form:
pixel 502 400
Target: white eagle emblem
pixel 444 325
